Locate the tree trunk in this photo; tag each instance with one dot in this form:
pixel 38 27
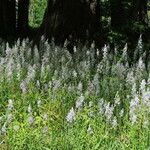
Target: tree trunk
pixel 22 20
pixel 118 17
pixel 72 20
pixel 7 19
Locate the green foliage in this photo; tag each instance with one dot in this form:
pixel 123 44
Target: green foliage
pixel 36 12
pixel 106 99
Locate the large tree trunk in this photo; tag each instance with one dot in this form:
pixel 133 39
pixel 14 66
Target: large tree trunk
pixel 22 20
pixel 72 20
pixel 118 17
pixel 7 19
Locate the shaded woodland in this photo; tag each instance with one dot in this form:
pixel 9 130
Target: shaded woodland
pixel 107 21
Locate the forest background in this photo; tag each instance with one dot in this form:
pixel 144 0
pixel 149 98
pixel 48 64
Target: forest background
pixel 114 22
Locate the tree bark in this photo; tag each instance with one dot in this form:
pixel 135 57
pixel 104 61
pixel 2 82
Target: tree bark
pixel 7 18
pixel 72 20
pixel 118 17
pixel 22 20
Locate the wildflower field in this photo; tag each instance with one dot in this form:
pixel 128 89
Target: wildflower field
pixel 88 100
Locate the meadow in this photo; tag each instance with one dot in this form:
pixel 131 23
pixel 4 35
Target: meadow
pixel 89 100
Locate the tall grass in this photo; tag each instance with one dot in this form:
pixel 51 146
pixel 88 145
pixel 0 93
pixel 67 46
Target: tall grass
pixel 87 100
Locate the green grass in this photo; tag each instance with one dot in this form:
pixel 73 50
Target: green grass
pixel 102 96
